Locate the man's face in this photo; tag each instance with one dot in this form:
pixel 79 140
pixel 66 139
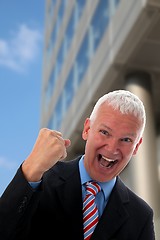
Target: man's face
pixel 111 140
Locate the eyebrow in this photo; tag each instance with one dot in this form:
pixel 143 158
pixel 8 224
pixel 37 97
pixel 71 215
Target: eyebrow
pixel 127 134
pixel 105 126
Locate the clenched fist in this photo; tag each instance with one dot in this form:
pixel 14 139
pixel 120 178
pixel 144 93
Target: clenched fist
pixel 49 148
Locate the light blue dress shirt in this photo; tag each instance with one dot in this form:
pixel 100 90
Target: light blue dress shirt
pixel 103 196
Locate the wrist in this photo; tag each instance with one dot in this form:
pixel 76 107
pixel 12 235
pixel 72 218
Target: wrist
pixel 31 174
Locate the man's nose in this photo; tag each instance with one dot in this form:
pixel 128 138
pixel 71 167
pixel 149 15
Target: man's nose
pixel 112 145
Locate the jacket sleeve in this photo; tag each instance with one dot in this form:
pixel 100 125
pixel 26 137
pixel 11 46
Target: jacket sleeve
pixel 17 206
pixel 148 231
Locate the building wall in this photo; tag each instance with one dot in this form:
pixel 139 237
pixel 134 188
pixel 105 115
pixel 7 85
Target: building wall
pixel 92 47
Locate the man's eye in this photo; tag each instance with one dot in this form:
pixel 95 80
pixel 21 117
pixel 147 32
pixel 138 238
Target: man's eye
pixel 104 132
pixel 126 140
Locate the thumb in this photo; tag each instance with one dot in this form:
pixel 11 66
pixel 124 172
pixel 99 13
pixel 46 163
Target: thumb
pixel 67 142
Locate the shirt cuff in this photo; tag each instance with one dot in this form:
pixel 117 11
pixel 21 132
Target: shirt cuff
pixel 35 185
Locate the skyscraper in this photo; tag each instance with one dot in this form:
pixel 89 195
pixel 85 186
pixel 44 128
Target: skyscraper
pixel 92 47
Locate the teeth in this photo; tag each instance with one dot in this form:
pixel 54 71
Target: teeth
pixel 108 159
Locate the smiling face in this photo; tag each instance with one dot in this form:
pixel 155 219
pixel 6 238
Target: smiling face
pixel 111 140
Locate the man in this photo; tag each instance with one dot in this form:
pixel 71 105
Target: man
pixel 45 198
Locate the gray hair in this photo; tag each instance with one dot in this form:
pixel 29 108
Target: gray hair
pixel 124 101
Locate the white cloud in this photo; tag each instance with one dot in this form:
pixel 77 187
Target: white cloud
pixel 21 49
pixel 6 164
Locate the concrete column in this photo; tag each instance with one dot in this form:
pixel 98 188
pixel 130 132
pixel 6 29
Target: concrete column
pixel 144 165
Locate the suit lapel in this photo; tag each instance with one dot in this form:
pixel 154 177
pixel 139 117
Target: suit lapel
pixel 114 215
pixel 70 195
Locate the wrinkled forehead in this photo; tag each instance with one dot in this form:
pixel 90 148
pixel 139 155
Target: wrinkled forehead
pixel 114 119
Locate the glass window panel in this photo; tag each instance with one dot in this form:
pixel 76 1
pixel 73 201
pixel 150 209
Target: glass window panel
pixel 58 114
pixel 69 90
pixel 82 59
pixel 100 21
pixel 69 31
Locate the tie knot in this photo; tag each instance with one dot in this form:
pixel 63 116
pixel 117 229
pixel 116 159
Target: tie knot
pixel 92 188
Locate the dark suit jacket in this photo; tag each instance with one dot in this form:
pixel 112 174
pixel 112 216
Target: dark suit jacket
pixel 54 210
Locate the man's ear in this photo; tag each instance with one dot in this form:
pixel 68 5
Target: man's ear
pixel 137 146
pixel 86 128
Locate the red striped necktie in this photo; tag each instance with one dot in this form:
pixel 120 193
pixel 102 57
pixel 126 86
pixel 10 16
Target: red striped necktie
pixel 90 210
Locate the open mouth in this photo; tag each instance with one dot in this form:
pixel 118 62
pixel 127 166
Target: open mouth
pixel 106 162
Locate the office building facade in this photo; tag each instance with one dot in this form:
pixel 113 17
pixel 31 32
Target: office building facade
pixel 93 47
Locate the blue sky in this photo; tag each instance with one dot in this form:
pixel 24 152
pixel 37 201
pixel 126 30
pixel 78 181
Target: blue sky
pixel 21 60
